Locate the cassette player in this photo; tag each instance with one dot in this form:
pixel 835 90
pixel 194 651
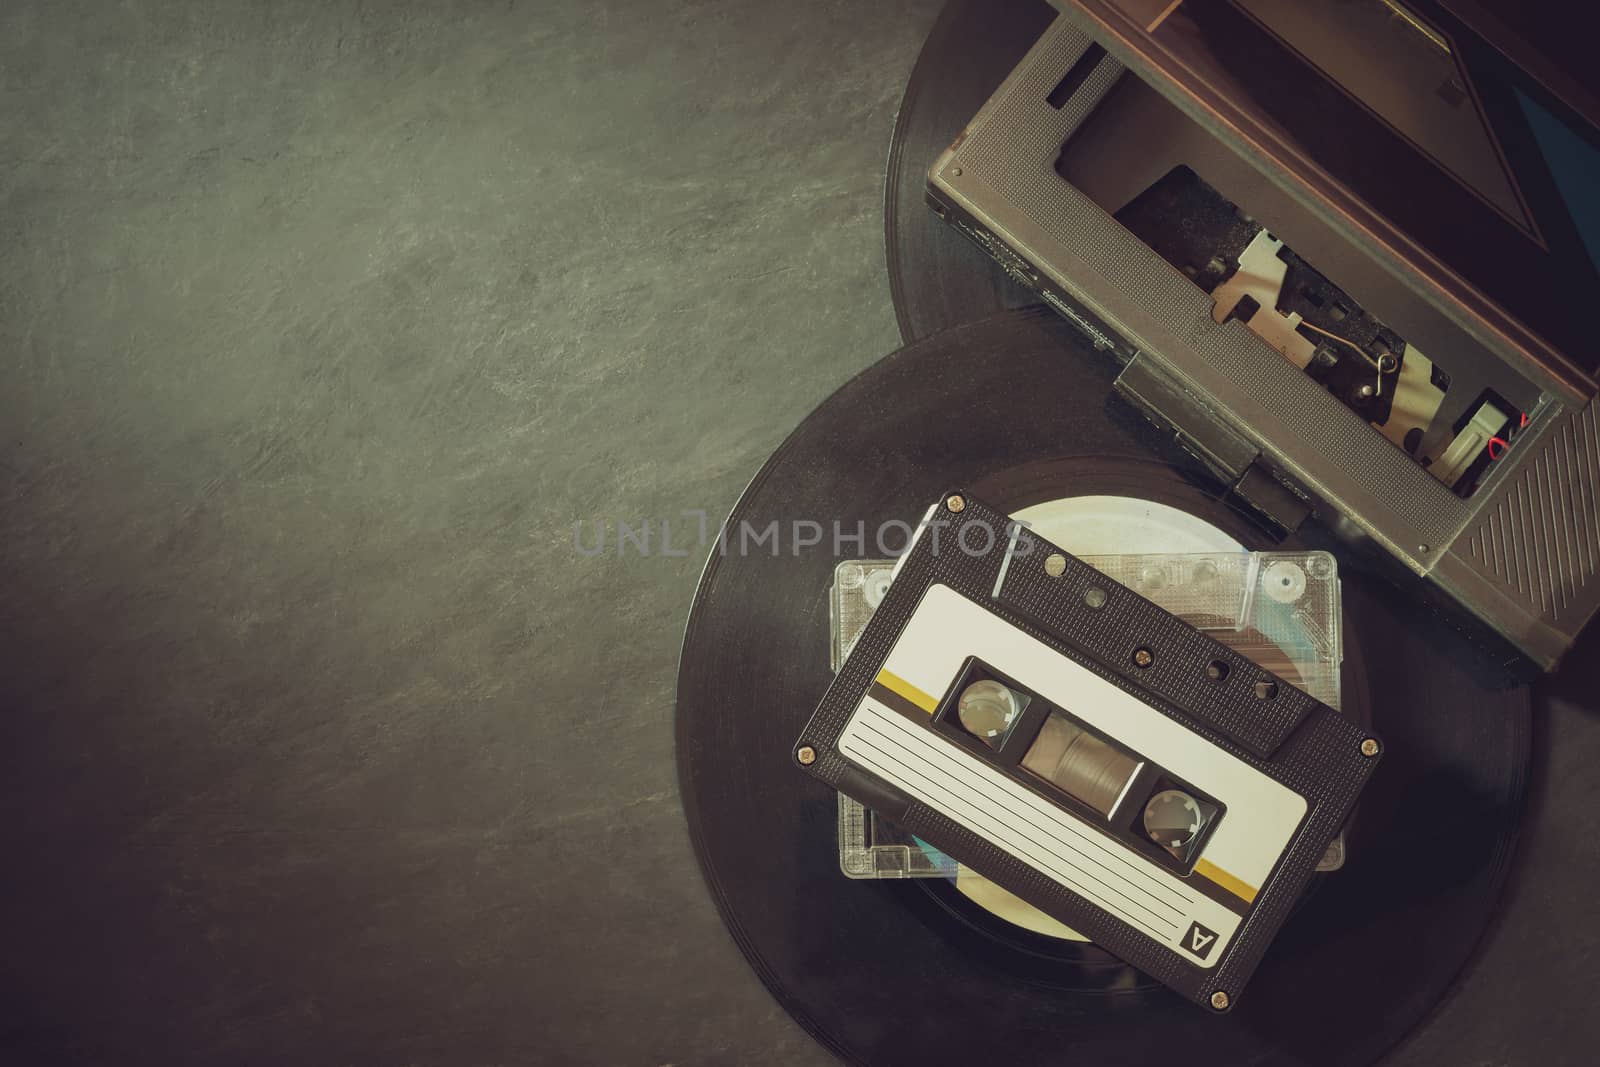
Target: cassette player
pixel 1343 253
pixel 1086 750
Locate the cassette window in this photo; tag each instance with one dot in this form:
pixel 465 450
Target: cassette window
pixel 1080 763
pixel 1077 766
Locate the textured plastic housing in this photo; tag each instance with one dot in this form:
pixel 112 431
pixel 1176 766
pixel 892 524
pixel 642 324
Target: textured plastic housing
pixel 1281 609
pixel 1293 739
pixel 1004 165
pixel 1522 555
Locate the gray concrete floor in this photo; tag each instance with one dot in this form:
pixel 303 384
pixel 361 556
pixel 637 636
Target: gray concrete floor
pixel 321 323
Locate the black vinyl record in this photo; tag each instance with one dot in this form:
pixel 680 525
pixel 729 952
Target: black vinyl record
pixel 893 972
pixel 938 278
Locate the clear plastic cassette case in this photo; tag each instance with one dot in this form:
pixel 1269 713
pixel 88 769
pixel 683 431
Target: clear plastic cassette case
pixel 1281 609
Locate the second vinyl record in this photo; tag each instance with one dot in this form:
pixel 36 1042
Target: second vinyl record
pixel 907 972
pixel 938 278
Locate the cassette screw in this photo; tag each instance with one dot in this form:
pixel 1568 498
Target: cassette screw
pixel 806 755
pixel 1266 689
pixel 1369 747
pixel 1217 670
pixel 955 172
pixel 1095 598
pixel 1142 657
pixel 956 504
pixel 1219 1000
pixel 1055 565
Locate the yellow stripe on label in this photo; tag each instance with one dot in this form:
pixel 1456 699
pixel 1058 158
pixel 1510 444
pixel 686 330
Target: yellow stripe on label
pixel 1237 886
pixel 900 687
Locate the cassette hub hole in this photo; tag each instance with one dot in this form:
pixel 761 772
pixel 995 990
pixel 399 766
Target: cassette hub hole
pixel 987 710
pixel 1173 819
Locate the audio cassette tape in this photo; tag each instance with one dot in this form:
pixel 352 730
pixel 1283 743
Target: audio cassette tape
pixel 1281 609
pixel 1095 755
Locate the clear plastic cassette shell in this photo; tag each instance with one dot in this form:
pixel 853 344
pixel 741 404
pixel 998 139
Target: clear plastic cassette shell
pixel 1281 609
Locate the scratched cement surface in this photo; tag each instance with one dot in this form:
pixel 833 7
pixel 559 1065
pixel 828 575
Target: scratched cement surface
pixel 321 323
